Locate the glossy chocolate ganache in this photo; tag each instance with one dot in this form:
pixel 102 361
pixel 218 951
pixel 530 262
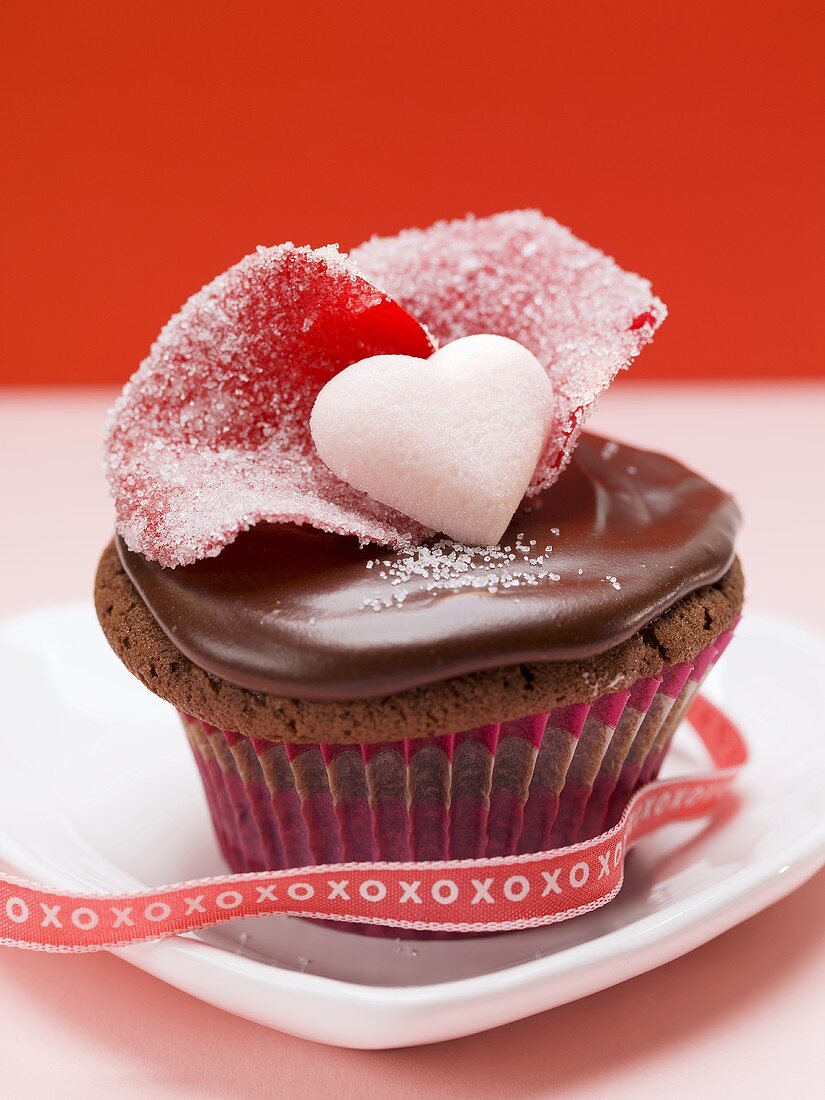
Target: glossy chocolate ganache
pixel 295 612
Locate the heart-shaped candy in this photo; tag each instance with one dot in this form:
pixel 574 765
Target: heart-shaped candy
pixel 451 441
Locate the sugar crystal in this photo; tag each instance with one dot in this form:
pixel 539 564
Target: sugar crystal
pixel 446 566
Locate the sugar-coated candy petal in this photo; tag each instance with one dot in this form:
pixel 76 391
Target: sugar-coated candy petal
pixel 211 435
pixel 524 276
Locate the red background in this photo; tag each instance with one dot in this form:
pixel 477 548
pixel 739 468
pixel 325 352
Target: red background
pixel 150 145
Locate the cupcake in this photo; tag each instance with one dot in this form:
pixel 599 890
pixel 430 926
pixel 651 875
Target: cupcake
pixel 478 641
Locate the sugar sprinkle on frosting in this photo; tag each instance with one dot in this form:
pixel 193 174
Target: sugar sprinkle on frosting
pixel 447 566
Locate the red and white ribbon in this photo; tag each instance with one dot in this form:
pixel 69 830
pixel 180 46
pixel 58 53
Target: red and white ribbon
pixel 471 895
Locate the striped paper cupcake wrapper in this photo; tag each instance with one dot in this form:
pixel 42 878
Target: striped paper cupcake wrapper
pixel 527 785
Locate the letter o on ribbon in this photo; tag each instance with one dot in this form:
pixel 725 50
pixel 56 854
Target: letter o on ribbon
pixel 301 891
pixel 516 888
pixel 579 874
pixel 444 891
pixel 158 910
pixel 17 910
pixel 372 890
pixel 84 919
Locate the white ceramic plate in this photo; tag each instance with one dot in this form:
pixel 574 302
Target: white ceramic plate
pixel 98 791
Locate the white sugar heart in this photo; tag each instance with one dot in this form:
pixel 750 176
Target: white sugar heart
pixel 451 441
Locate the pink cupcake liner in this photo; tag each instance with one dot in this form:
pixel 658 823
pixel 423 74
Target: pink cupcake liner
pixel 527 785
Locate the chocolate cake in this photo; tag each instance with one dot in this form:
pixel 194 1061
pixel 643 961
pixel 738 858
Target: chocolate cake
pixel 297 635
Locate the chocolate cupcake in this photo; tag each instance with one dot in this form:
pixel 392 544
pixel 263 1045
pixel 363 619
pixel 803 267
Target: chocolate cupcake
pixel 353 684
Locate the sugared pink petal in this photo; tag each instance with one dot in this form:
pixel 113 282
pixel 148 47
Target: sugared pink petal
pixel 211 435
pixel 524 276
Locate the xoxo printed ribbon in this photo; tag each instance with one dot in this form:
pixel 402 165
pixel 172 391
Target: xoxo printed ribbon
pixel 471 895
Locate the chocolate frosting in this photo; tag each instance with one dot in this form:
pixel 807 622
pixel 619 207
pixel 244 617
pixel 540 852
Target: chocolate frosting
pixel 291 610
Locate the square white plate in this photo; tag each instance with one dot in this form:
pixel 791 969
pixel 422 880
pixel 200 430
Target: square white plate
pixel 98 791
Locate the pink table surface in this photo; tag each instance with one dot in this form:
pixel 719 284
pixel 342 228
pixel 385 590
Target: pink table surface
pixel 741 1016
